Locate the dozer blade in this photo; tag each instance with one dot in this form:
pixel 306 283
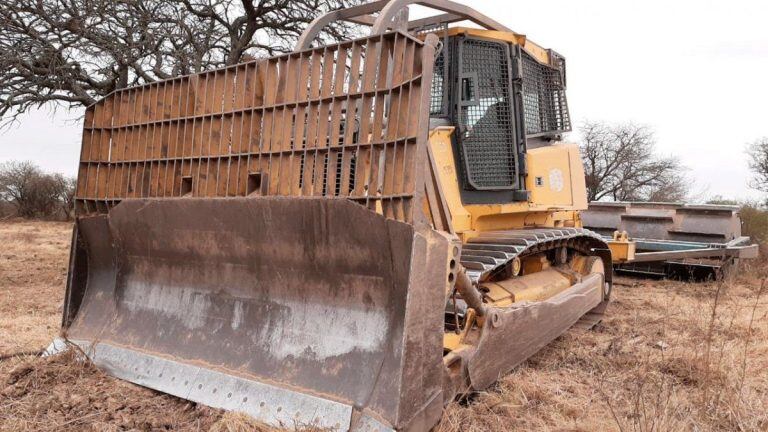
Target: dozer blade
pixel 293 310
pixel 513 334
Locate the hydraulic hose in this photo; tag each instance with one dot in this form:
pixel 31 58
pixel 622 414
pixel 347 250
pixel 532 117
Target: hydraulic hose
pixel 469 292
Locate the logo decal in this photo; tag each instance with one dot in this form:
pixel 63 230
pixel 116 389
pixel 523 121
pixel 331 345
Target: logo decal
pixel 556 182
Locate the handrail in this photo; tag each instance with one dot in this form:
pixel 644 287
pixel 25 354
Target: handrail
pixel 389 10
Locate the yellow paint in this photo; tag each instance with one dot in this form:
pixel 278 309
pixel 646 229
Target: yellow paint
pixel 535 264
pixel 555 202
pixel 622 248
pixel 497 295
pixel 556 177
pixel 537 51
pixel 451 340
pixel 532 287
pixel 622 251
pixel 581 264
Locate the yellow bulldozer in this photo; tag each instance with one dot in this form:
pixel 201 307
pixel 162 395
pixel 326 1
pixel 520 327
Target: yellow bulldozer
pixel 349 235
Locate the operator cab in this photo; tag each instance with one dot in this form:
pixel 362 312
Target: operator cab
pixel 504 95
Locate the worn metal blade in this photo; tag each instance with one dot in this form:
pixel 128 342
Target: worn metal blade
pixel 318 311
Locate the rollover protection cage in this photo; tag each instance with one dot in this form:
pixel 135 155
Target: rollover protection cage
pixel 544 102
pixel 542 85
pixel 499 96
pixel 485 115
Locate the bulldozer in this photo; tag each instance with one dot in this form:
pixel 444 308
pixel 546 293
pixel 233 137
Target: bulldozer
pixel 350 235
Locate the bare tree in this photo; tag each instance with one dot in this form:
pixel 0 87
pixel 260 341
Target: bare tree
pixel 64 189
pixel 621 164
pixel 72 52
pixel 757 152
pixel 35 193
pixel 16 183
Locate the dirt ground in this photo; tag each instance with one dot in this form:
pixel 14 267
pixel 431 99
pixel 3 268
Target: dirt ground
pixel 669 356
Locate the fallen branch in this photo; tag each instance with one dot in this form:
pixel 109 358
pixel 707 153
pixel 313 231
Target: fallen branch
pixel 36 353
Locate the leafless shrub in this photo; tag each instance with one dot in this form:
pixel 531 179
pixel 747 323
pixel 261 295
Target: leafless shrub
pixel 621 163
pixel 71 52
pixel 757 152
pixel 754 219
pixel 35 193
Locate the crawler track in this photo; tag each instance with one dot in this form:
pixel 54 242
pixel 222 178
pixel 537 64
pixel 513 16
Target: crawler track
pixel 489 253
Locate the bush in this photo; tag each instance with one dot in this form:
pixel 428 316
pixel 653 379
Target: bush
pixel 754 223
pixel 34 193
pixel 754 218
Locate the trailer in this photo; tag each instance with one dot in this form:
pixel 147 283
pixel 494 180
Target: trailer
pixel 672 240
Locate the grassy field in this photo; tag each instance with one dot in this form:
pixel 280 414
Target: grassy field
pixel 669 356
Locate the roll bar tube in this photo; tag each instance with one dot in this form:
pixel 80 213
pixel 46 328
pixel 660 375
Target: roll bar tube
pixel 389 11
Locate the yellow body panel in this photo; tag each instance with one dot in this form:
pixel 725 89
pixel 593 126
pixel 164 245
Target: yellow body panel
pixel 541 54
pixel 622 249
pixel 556 177
pixel 536 286
pixel 555 180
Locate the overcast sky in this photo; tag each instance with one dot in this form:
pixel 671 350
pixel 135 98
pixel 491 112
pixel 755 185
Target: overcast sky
pixel 695 71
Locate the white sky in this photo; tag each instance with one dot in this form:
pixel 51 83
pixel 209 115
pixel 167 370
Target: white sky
pixel 695 71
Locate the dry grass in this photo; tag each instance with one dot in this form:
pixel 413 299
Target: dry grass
pixel 33 271
pixel 64 393
pixel 669 356
pixel 61 393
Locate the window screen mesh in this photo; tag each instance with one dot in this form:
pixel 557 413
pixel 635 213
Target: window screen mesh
pixel 438 93
pixel 544 102
pixel 488 144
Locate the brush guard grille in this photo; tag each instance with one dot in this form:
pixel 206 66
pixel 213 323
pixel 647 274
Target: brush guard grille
pixel 544 103
pixel 486 115
pixel 335 121
pixel 437 100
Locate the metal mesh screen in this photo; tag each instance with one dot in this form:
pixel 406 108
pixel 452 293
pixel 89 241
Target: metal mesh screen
pixel 437 94
pixel 488 144
pixel 544 103
pixel 559 62
pixel 440 91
